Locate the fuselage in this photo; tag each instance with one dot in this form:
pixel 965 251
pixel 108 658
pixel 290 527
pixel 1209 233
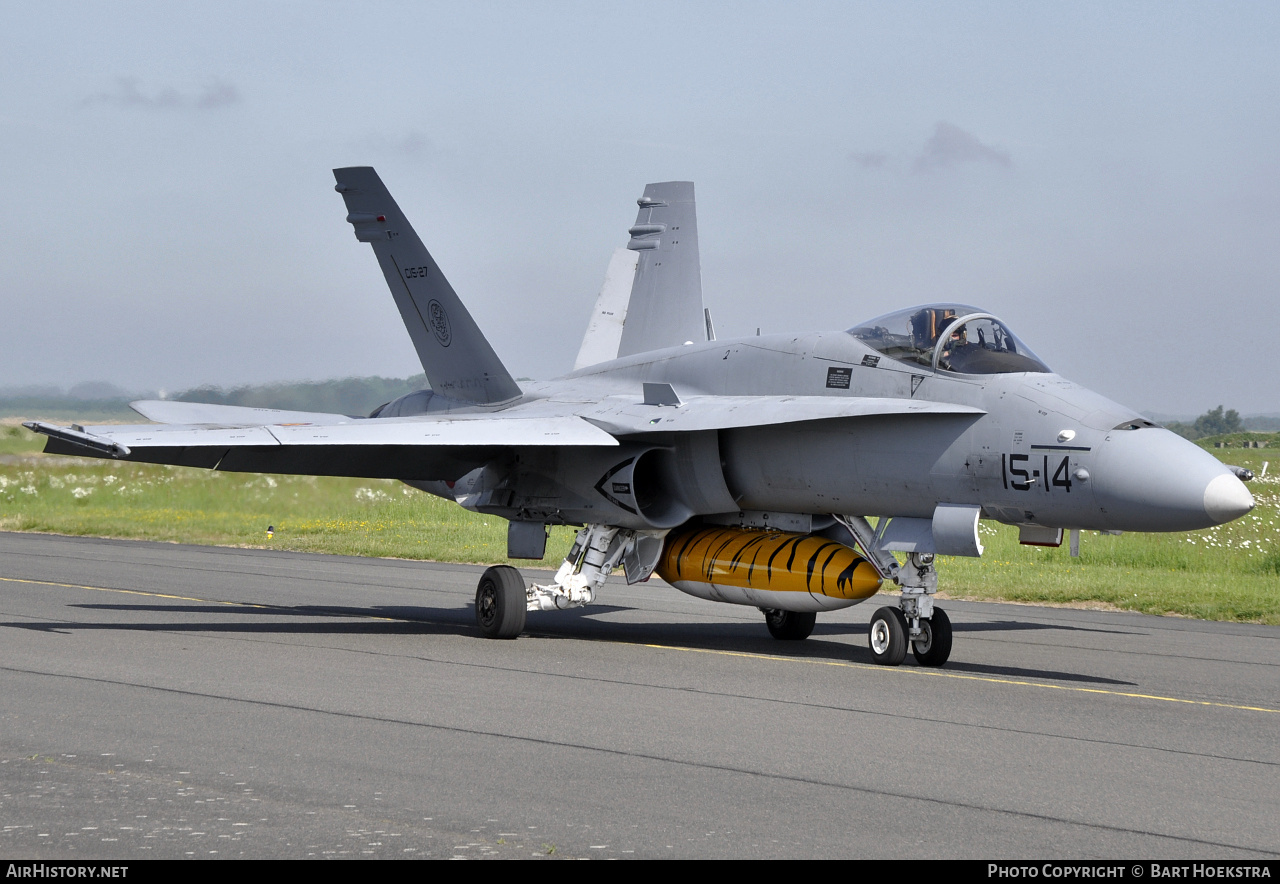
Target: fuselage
pixel 1040 451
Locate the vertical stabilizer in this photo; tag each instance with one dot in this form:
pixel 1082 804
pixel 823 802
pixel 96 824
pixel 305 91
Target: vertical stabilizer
pixel 457 359
pixel 604 331
pixel 666 298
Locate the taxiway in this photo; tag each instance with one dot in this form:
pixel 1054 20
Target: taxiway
pixel 170 701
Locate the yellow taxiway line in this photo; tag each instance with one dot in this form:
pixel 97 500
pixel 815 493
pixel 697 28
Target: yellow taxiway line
pixel 939 673
pixel 928 672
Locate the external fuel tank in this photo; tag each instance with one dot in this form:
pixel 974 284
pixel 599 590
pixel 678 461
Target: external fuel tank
pixel 766 569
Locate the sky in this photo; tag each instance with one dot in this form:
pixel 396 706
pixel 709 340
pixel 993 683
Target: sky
pixel 1103 176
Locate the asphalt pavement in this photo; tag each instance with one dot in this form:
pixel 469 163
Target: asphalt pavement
pixel 161 700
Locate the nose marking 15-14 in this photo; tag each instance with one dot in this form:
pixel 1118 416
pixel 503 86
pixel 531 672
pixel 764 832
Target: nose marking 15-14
pixel 1025 480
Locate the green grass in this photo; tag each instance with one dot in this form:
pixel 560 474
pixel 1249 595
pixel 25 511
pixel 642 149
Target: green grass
pixel 365 517
pixel 1231 572
pixel 16 440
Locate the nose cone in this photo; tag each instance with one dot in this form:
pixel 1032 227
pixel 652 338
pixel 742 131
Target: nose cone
pixel 1226 498
pixel 1153 480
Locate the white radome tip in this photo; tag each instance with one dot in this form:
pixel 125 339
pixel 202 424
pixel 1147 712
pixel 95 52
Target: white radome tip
pixel 1226 498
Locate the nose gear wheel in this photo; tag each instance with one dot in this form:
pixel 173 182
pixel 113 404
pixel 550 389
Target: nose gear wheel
pixel 933 646
pixel 888 636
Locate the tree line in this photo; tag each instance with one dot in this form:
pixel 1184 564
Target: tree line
pixel 1214 422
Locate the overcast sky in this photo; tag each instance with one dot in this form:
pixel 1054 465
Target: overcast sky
pixel 1105 177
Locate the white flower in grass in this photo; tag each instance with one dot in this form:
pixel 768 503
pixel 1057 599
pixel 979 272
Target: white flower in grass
pixel 79 493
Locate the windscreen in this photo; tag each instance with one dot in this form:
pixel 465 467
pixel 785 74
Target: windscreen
pixel 981 344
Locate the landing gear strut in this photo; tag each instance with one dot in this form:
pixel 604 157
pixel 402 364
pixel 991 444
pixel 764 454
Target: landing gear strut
pixel 596 551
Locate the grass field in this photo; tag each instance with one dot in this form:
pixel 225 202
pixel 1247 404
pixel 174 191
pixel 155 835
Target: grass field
pixel 1227 573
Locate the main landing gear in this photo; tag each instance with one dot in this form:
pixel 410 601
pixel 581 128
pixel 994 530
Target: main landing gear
pixel 503 599
pixel 789 626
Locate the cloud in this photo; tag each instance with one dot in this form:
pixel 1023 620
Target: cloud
pixel 950 145
pixel 415 144
pixel 214 94
pixel 217 94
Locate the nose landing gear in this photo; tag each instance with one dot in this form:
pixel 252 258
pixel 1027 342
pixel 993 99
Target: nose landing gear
pixel 926 627
pixel 915 622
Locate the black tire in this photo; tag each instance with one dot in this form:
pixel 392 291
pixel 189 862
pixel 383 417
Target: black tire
pixel 888 636
pixel 789 626
pixel 500 602
pixel 933 648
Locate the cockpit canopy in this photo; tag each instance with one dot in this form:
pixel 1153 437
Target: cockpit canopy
pixel 949 337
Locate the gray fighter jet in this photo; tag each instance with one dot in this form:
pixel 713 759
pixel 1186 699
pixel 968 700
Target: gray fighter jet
pixel 741 471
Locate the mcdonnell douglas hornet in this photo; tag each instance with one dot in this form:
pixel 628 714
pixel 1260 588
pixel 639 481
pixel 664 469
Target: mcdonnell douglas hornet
pixel 745 471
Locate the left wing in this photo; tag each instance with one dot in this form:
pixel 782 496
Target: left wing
pixel 420 448
pixel 405 431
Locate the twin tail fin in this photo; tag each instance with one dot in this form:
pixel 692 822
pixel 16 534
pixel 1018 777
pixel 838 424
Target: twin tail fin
pixel 459 362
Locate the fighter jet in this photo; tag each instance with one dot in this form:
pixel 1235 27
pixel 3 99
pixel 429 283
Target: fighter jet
pixel 746 471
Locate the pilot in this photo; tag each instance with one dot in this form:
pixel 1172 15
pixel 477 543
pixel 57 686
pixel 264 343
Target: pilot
pixel 958 340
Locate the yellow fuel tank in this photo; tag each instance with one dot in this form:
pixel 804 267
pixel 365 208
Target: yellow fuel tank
pixel 766 569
